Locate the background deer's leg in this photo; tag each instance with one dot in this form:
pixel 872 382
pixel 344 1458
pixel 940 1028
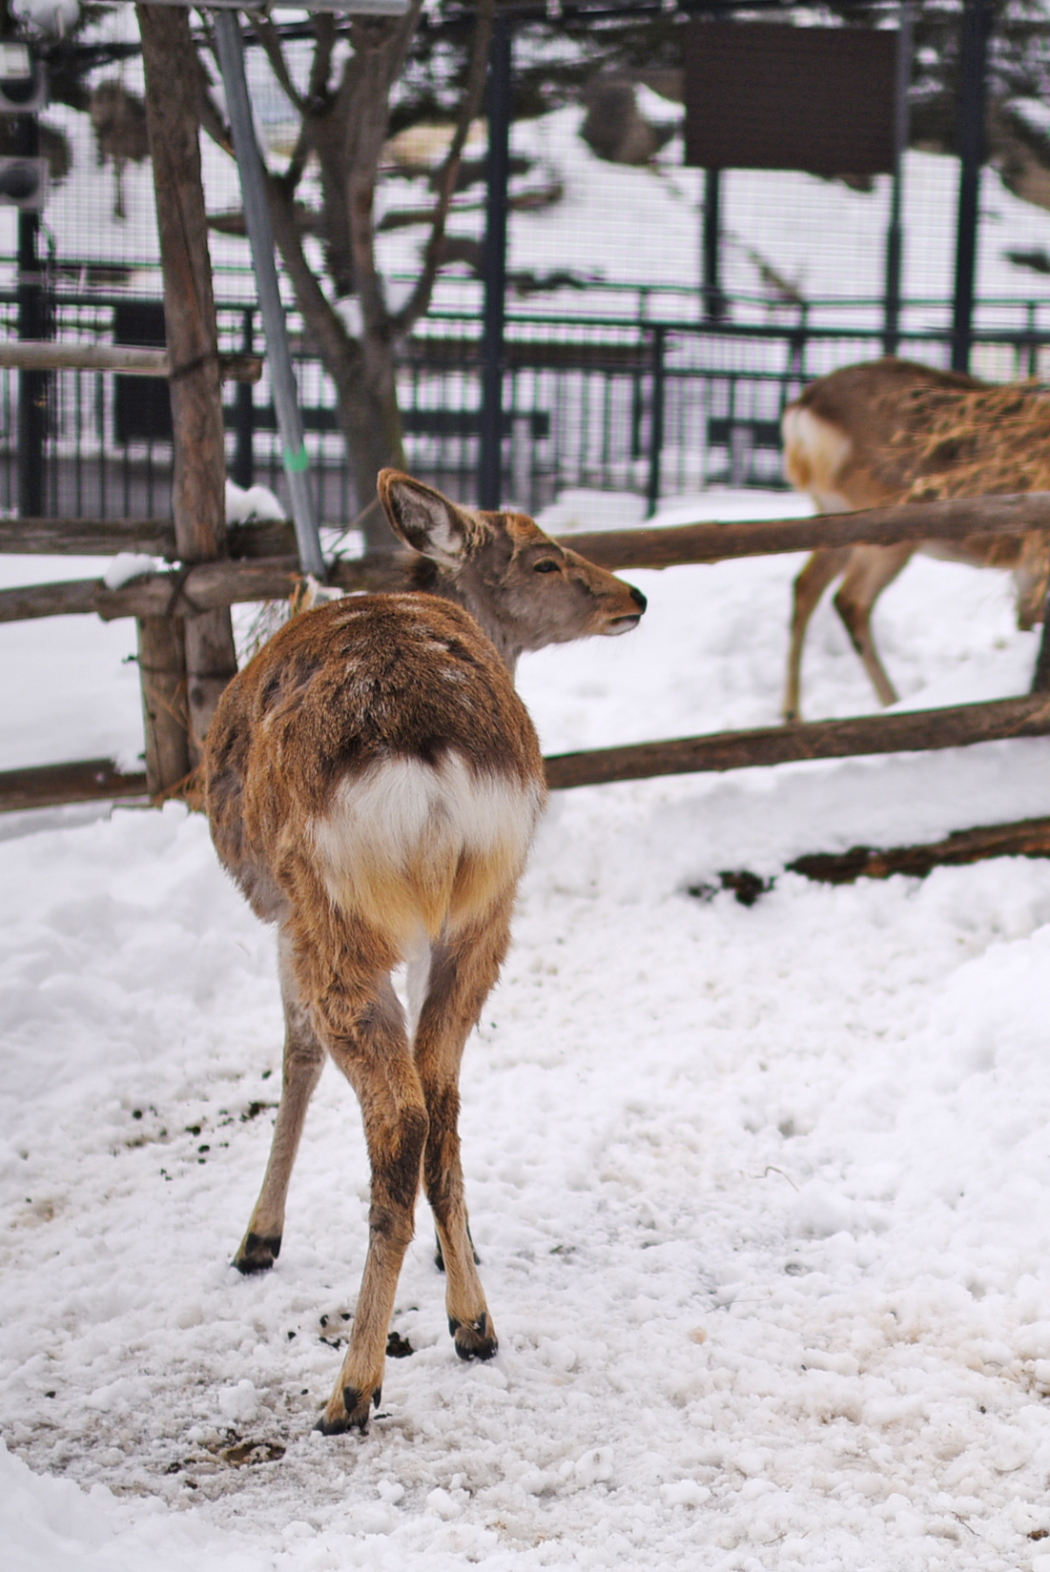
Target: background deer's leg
pixel 464 966
pixel 870 571
pixel 303 1062
pixel 821 570
pixel 364 1027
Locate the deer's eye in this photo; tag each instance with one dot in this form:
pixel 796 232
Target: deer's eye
pixel 545 566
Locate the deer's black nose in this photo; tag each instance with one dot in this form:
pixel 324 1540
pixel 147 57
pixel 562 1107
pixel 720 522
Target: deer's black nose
pixel 638 598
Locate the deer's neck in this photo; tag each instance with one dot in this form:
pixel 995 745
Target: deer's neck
pixel 471 592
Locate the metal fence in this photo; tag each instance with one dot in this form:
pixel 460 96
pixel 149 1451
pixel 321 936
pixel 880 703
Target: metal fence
pixel 649 402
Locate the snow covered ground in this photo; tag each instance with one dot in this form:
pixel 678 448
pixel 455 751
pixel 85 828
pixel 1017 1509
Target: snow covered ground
pixel 761 1194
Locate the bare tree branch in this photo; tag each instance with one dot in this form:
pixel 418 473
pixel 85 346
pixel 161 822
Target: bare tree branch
pixel 419 300
pixel 270 40
pixel 383 49
pixel 321 65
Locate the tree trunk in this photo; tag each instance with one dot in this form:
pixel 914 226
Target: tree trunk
pixel 198 503
pixel 364 380
pixel 371 423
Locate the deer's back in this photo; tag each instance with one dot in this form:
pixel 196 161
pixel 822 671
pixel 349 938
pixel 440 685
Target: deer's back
pixel 376 745
pixel 858 436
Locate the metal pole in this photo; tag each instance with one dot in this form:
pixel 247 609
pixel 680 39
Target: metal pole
pixel 491 424
pixel 894 234
pixel 32 385
pixel 656 423
pixel 244 452
pixel 973 55
pixel 714 300
pixel 230 46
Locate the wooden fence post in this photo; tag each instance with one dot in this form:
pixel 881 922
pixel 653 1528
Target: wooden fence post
pixel 162 669
pixel 173 88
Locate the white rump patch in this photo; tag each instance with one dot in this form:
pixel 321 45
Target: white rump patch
pixel 815 454
pixel 396 840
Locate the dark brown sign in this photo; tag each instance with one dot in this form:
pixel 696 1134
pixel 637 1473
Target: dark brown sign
pixel 767 96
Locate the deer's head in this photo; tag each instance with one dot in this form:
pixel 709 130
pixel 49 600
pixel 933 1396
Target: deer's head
pixel 525 589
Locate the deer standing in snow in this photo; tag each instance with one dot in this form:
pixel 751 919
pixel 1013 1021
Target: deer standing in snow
pixel 373 782
pixel 888 431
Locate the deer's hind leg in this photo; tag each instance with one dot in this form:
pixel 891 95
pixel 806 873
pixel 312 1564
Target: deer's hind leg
pixel 464 966
pixel 871 570
pixel 822 569
pixel 360 1019
pixel 304 1056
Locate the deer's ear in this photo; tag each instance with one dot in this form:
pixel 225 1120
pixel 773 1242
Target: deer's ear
pixel 424 519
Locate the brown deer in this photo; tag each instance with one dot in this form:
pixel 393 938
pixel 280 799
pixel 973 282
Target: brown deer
pixel 373 783
pixel 889 431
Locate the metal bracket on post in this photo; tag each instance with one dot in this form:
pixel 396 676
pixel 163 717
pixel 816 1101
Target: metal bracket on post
pixel 230 47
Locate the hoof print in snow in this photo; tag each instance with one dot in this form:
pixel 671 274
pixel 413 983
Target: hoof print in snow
pixel 245 1453
pixel 748 887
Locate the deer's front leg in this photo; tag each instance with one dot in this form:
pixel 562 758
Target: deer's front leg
pixel 374 1055
pixel 462 973
pixel 303 1062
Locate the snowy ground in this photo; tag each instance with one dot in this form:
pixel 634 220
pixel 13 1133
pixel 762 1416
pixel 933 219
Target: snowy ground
pixel 760 1193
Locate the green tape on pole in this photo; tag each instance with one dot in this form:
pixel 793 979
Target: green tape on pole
pixel 296 463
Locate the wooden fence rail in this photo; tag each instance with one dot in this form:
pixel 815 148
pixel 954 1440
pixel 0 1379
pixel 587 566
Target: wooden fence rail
pixel 910 731
pixel 262 565
pixel 130 360
pixel 227 582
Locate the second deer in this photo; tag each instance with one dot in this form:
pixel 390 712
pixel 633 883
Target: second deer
pixel 373 783
pixel 892 430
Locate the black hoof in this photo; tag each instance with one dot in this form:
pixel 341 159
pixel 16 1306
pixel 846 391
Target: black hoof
pixel 357 1412
pixel 472 1339
pixel 257 1254
pixel 339 1427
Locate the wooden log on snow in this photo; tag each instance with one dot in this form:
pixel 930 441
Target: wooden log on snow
pixel 54 785
pixel 129 359
pixel 909 732
pixel 1024 838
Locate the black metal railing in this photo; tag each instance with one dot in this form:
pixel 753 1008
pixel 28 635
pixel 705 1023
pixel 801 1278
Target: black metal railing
pixel 645 401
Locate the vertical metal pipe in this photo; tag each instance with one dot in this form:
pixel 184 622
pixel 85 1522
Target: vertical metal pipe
pixel 656 425
pixel 244 452
pixel 32 385
pixel 498 108
pixel 711 286
pixel 895 234
pixel 973 58
pixel 230 47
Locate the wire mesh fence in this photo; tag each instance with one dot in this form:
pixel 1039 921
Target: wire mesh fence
pixel 616 372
